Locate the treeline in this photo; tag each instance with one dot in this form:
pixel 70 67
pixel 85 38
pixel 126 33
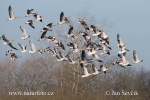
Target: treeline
pixel 45 74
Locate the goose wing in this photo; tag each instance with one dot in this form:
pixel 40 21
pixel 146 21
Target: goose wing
pixel 61 16
pixel 10 44
pixel 4 38
pixel 31 24
pixel 135 55
pixel 43 34
pixel 11 13
pixel 32 46
pixel 23 31
pixel 21 46
pixel 70 30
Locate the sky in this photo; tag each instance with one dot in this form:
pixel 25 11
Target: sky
pixel 130 19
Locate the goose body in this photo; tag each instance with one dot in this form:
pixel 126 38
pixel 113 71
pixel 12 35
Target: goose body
pixel 25 36
pixel 29 13
pixel 32 47
pixel 23 48
pixel 8 42
pixel 11 14
pixel 30 22
pixel 136 59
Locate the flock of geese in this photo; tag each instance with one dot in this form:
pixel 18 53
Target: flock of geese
pixel 88 55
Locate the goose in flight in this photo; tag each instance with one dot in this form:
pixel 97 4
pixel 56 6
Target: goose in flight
pixel 123 49
pixel 84 59
pixel 124 61
pixel 25 35
pixel 29 13
pixel 85 26
pixel 14 56
pixel 64 19
pixel 104 50
pixel 43 36
pixel 103 38
pixel 8 42
pixel 74 46
pixel 62 57
pixel 40 51
pixel 71 61
pixel 23 48
pixel 30 22
pixel 11 14
pixel 37 17
pixel 32 47
pixel 47 27
pixel 91 51
pixel 136 59
pixel 97 57
pixel 71 34
pixel 96 30
pixel 103 68
pixel 95 70
pixel 85 71
pixel 87 37
pixel 9 52
pixel 119 41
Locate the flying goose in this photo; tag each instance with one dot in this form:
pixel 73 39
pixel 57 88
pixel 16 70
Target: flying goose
pixel 37 17
pixel 103 38
pixel 85 26
pixel 62 57
pixel 56 42
pixel 8 42
pixel 30 22
pixel 53 51
pixel 14 56
pixel 9 52
pixel 123 49
pixel 124 61
pixel 52 39
pixel 97 57
pixel 72 61
pixel 104 50
pixel 11 14
pixel 47 27
pixel 96 30
pixel 29 13
pixel 64 19
pixel 40 51
pixel 95 70
pixel 91 51
pixel 74 46
pixel 84 59
pixel 119 41
pixel 32 47
pixel 23 48
pixel 119 62
pixel 86 37
pixel 85 71
pixel 25 36
pixel 43 36
pixel 136 59
pixel 71 34
pixel 103 68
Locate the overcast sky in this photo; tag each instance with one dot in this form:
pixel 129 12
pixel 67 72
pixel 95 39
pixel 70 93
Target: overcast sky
pixel 130 18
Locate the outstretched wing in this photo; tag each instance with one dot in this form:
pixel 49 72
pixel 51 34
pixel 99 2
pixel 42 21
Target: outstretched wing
pixel 11 13
pixel 61 16
pixel 12 46
pixel 4 38
pixel 32 46
pixel 23 31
